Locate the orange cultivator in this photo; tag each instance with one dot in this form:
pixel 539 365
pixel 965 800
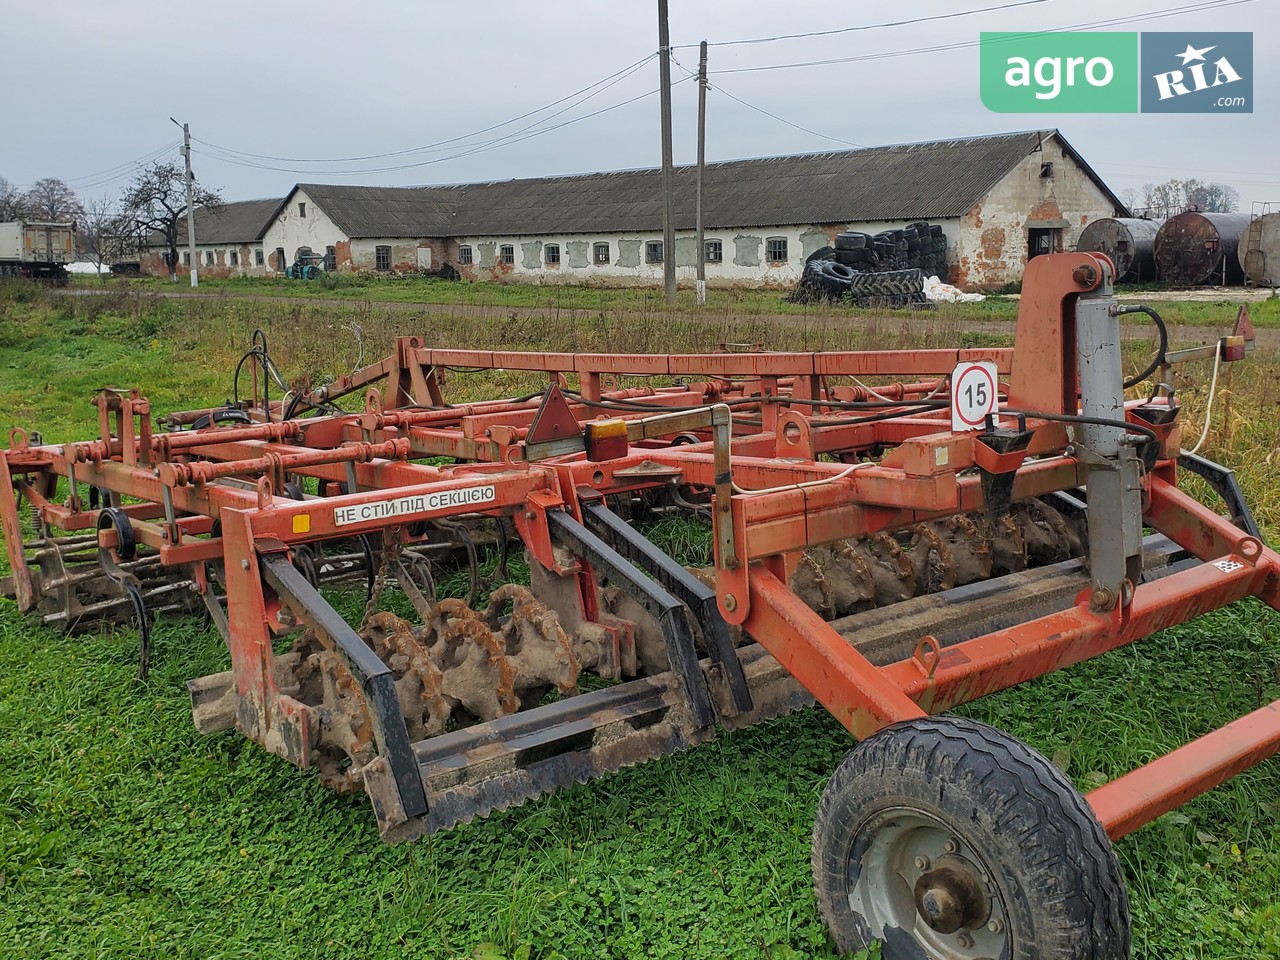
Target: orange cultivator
pixel 894 533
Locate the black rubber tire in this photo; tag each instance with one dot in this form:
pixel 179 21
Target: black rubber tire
pixel 1055 871
pixel 851 258
pixel 822 253
pixel 839 272
pixel 851 240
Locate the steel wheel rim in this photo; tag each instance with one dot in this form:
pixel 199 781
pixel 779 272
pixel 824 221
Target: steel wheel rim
pixel 885 862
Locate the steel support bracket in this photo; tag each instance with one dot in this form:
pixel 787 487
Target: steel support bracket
pixel 375 677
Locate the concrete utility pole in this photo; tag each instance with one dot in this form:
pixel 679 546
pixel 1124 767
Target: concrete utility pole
pixel 668 217
pixel 702 163
pixel 191 213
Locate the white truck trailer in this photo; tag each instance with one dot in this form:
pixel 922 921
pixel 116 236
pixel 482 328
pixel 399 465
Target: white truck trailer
pixel 40 251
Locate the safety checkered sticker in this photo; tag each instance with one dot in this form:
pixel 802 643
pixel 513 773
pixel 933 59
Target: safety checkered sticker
pixel 1228 566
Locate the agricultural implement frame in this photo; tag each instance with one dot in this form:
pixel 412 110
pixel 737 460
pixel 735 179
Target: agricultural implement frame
pixel 786 452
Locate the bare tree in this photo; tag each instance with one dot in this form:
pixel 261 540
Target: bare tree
pixel 1149 199
pixel 1129 197
pixel 106 235
pixel 53 201
pixel 156 202
pixel 11 202
pixel 1176 195
pixel 1221 198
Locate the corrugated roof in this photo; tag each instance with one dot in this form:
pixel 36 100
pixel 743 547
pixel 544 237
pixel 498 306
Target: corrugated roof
pixel 239 221
pixel 914 181
pixel 386 211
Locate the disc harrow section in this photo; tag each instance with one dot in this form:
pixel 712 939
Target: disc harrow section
pixel 461 667
pixel 849 576
pixel 465 665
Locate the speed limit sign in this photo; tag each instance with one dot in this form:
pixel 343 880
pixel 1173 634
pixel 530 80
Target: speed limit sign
pixel 973 394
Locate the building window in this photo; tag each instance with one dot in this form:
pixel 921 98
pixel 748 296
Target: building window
pixel 1042 241
pixel 776 249
pixel 653 251
pixel 600 253
pixel 552 254
pixel 507 253
pixel 464 256
pixel 302 210
pixel 186 258
pixel 259 258
pixel 713 251
pixel 1046 171
pixel 233 258
pixel 382 258
pixel 209 258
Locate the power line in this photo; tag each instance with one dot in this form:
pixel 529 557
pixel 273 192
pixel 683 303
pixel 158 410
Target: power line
pixel 865 26
pixel 690 74
pixel 604 83
pixel 892 54
pixel 825 136
pixel 470 151
pixel 113 173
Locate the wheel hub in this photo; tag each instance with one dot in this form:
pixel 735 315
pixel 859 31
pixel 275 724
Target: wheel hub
pixel 950 897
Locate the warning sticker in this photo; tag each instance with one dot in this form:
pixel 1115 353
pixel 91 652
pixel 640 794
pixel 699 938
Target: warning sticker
pixel 406 506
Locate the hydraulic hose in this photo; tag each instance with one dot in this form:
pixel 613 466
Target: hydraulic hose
pixel 1160 352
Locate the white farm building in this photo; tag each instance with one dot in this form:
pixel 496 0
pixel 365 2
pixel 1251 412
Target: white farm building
pixel 999 199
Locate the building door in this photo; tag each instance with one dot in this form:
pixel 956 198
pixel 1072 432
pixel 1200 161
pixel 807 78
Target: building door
pixel 424 258
pixel 1042 241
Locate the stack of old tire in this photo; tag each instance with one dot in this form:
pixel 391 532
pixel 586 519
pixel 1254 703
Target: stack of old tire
pixel 885 269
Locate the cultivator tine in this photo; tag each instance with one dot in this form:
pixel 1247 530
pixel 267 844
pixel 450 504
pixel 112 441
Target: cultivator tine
pixel 144 629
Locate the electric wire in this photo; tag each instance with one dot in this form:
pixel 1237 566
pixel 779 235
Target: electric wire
pixel 630 68
pixel 865 26
pixel 690 74
pixel 113 173
pixel 471 151
pixel 963 44
pixel 1208 412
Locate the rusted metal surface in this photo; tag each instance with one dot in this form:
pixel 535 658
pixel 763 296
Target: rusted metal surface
pixel 1259 250
pixel 1129 242
pixel 1195 248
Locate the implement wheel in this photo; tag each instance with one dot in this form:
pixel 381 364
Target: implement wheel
pixel 945 839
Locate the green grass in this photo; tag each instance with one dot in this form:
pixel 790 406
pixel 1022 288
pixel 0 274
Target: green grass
pixel 124 834
pixel 588 298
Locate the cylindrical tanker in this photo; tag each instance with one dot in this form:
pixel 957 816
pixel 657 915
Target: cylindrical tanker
pixel 1128 241
pixel 1260 251
pixel 1194 248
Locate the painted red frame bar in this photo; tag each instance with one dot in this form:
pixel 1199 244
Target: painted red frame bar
pixel 1164 784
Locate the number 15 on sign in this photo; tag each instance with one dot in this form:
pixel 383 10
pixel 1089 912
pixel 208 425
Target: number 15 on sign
pixel 973 394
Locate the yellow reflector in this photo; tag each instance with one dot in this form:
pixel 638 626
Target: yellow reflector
pixel 604 429
pixel 302 523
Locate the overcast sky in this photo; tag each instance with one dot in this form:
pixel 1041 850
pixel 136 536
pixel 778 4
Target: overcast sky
pixel 91 85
